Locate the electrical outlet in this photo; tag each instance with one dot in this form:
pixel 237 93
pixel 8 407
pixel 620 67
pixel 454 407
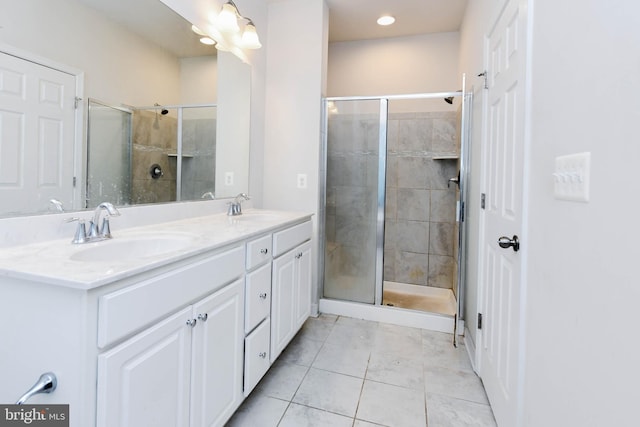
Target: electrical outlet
pixel 571 177
pixel 228 178
pixel 302 180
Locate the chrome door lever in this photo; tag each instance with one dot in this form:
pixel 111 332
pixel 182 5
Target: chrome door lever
pixel 47 383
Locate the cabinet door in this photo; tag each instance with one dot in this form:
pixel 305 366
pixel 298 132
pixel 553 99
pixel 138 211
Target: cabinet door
pixel 282 308
pixel 218 356
pixel 145 380
pixel 303 285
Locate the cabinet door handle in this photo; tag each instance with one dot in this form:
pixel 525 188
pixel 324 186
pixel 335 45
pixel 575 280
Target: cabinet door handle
pixel 203 316
pixel 192 322
pixel 263 295
pixel 264 251
pixel 263 355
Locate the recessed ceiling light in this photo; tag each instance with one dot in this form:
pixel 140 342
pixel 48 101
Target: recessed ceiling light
pixel 207 40
pixel 386 20
pixel 198 31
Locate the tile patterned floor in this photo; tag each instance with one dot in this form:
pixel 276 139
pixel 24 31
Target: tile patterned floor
pixel 346 372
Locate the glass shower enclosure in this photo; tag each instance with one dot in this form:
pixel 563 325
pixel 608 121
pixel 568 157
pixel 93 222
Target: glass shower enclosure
pixel 394 183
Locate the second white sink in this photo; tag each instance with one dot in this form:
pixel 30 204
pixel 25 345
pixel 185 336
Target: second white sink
pixel 138 247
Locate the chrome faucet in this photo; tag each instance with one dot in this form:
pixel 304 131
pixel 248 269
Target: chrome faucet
pixel 235 207
pixel 95 234
pixel 105 230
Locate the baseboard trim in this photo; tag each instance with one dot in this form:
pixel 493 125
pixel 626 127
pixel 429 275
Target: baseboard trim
pixel 393 315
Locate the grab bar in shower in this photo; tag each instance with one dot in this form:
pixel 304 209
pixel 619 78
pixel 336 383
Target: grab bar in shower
pixel 47 383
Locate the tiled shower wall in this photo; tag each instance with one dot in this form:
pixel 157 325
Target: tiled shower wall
pixel 154 138
pixel 155 142
pixel 420 223
pixel 420 227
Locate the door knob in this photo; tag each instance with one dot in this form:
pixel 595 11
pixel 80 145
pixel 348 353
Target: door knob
pixel 506 243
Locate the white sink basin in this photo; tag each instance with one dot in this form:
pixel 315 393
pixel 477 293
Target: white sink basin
pixel 260 217
pixel 138 247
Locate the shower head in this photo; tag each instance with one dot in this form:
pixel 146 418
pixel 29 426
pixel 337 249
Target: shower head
pixel 449 99
pixel 163 110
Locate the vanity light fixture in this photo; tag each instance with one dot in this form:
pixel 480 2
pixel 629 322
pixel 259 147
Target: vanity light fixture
pixel 385 20
pixel 228 25
pixel 228 18
pixel 249 38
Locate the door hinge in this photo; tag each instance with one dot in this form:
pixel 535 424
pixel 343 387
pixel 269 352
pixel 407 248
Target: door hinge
pixel 74 181
pixel 479 320
pixel 484 74
pixel 462 212
pixel 482 200
pixel 77 101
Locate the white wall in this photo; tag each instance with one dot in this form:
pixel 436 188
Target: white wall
pixel 583 287
pixel 294 84
pixel 198 80
pixel 416 64
pixel 115 62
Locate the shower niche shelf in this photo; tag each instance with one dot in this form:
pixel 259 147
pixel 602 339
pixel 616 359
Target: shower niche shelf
pixel 446 156
pixel 184 156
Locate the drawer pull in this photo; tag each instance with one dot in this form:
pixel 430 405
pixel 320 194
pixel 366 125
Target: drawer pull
pixel 263 355
pixel 264 251
pixel 263 295
pixel 203 316
pixel 192 322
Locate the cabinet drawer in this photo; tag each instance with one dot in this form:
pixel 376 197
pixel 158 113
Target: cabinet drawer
pixel 291 237
pixel 258 297
pixel 258 251
pixel 256 356
pixel 125 311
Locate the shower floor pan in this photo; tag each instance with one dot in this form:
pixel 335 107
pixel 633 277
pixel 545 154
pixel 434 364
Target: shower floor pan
pixel 416 297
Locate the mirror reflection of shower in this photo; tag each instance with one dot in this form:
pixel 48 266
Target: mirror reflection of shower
pixel 180 139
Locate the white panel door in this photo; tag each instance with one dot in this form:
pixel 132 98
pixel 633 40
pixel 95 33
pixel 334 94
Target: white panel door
pixel 282 302
pixel 503 216
pixel 303 288
pixel 144 382
pixel 218 356
pixel 37 134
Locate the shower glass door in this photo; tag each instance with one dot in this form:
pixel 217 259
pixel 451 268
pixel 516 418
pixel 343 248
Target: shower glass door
pixel 355 190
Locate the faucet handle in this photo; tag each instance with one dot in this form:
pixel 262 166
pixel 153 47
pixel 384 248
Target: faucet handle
pixel 105 230
pixel 81 231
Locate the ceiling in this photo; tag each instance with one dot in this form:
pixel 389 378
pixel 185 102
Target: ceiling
pixel 356 19
pixel 349 20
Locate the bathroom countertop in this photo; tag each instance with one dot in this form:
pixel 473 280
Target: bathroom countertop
pixel 52 262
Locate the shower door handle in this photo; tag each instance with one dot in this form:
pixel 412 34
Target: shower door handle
pixel 455 180
pixel 506 243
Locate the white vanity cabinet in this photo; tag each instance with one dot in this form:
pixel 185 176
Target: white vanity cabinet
pixel 291 285
pixel 257 311
pixel 173 341
pixel 186 369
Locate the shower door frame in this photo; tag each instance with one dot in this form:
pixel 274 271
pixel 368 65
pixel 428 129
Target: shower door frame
pixel 382 156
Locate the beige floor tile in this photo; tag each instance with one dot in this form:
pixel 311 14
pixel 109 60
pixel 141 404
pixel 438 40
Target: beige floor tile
pixel 343 360
pixel 444 411
pixel 282 380
pixel 396 370
pixel 259 411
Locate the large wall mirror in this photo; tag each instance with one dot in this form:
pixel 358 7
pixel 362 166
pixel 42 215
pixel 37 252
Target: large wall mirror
pixel 165 117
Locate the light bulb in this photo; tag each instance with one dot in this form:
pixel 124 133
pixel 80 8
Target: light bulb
pixel 250 38
pixel 207 40
pixel 228 19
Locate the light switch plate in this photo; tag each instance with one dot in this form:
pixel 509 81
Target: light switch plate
pixel 571 177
